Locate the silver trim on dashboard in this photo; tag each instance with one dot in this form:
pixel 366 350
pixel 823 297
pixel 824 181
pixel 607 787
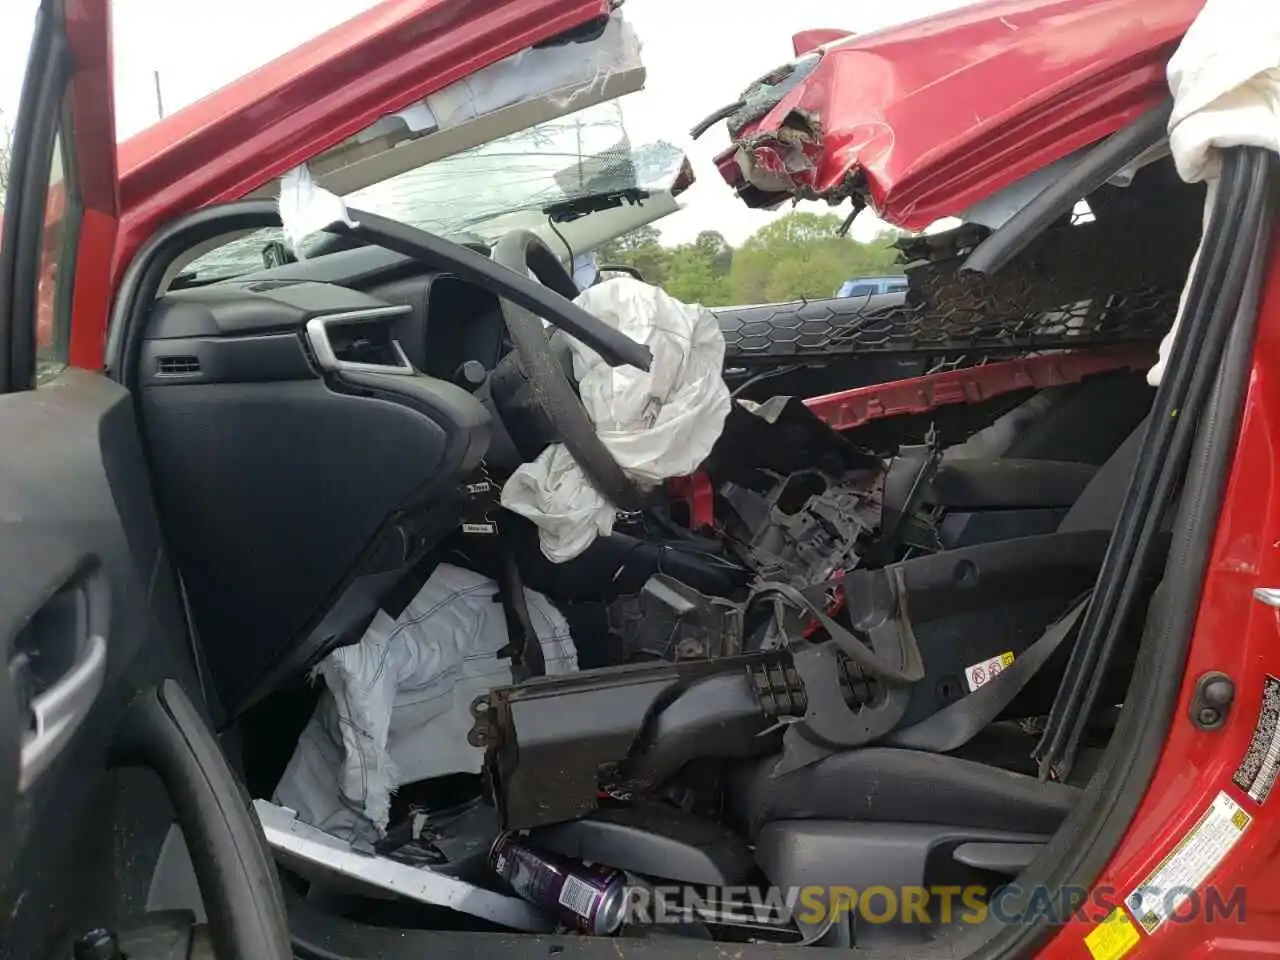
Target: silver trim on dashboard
pixel 318 336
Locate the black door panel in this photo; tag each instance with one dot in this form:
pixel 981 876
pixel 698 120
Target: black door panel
pixel 82 555
pixel 105 742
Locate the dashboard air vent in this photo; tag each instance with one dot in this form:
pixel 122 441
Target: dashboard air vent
pixel 177 366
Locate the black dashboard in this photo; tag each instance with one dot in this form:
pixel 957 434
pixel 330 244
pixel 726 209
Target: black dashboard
pixel 451 321
pixel 309 444
pixel 448 321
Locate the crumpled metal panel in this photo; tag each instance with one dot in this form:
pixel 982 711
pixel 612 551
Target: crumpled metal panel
pixel 926 119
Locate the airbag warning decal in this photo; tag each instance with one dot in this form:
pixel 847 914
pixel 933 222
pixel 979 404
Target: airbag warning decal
pixel 1256 774
pixel 980 673
pixel 1188 864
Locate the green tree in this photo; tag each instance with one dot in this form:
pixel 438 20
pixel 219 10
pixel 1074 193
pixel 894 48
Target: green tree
pixel 641 248
pixel 796 229
pixel 817 274
pixel 694 278
pixel 800 255
pixel 712 245
pixel 620 248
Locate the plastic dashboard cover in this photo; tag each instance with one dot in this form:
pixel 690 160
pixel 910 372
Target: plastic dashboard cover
pixel 656 424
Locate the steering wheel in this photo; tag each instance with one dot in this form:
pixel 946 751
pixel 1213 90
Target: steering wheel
pixel 521 251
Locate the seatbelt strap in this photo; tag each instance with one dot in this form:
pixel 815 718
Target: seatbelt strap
pixel 523 644
pixel 908 667
pixel 956 724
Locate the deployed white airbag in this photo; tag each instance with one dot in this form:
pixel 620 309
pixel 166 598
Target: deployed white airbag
pixel 397 705
pixel 307 210
pixel 1225 79
pixel 657 425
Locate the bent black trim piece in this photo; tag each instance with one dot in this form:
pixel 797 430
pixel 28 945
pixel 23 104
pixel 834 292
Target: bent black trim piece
pixel 142 279
pixel 23 228
pixel 1095 168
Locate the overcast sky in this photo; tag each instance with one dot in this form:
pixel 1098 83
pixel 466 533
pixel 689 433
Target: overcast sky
pixel 699 54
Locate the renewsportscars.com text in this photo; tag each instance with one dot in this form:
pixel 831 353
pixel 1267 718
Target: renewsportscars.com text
pixel 1010 904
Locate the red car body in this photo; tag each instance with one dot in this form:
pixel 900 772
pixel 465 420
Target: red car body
pixel 931 117
pixel 935 115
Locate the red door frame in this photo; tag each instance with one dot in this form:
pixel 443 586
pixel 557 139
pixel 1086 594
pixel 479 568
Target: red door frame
pixel 1238 635
pixel 93 138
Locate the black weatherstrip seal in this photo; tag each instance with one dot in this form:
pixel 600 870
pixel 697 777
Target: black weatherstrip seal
pixel 1217 288
pixel 1059 198
pixel 22 230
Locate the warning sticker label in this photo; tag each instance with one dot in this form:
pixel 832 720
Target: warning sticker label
pixel 980 673
pixel 1256 774
pixel 1189 863
pixel 1113 938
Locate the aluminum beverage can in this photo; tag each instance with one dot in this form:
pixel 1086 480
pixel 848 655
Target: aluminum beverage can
pixel 589 897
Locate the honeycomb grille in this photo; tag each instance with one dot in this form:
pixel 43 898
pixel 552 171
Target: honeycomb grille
pixel 1083 283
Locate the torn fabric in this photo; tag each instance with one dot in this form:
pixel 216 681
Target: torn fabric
pixel 586 270
pixel 306 209
pixel 574 69
pixel 656 424
pixel 397 705
pixel 537 72
pixel 1225 80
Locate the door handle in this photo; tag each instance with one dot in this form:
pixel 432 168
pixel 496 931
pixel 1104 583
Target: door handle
pixel 57 712
pixel 1268 595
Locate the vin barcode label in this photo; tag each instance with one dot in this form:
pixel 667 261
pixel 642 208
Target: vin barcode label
pixel 578 896
pixel 1189 864
pixel 1256 774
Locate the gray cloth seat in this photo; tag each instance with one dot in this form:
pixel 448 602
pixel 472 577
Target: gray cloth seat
pixel 888 784
pixel 884 784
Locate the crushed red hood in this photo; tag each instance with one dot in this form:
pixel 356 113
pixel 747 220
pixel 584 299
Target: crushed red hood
pixel 926 119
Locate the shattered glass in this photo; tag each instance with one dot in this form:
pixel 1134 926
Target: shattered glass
pixel 585 154
pixel 467 196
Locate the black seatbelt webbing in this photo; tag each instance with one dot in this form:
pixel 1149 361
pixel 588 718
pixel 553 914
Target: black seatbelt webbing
pixel 908 668
pixel 956 724
pixel 523 644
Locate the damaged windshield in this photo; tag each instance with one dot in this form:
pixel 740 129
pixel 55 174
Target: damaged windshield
pixel 587 154
pixel 473 195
